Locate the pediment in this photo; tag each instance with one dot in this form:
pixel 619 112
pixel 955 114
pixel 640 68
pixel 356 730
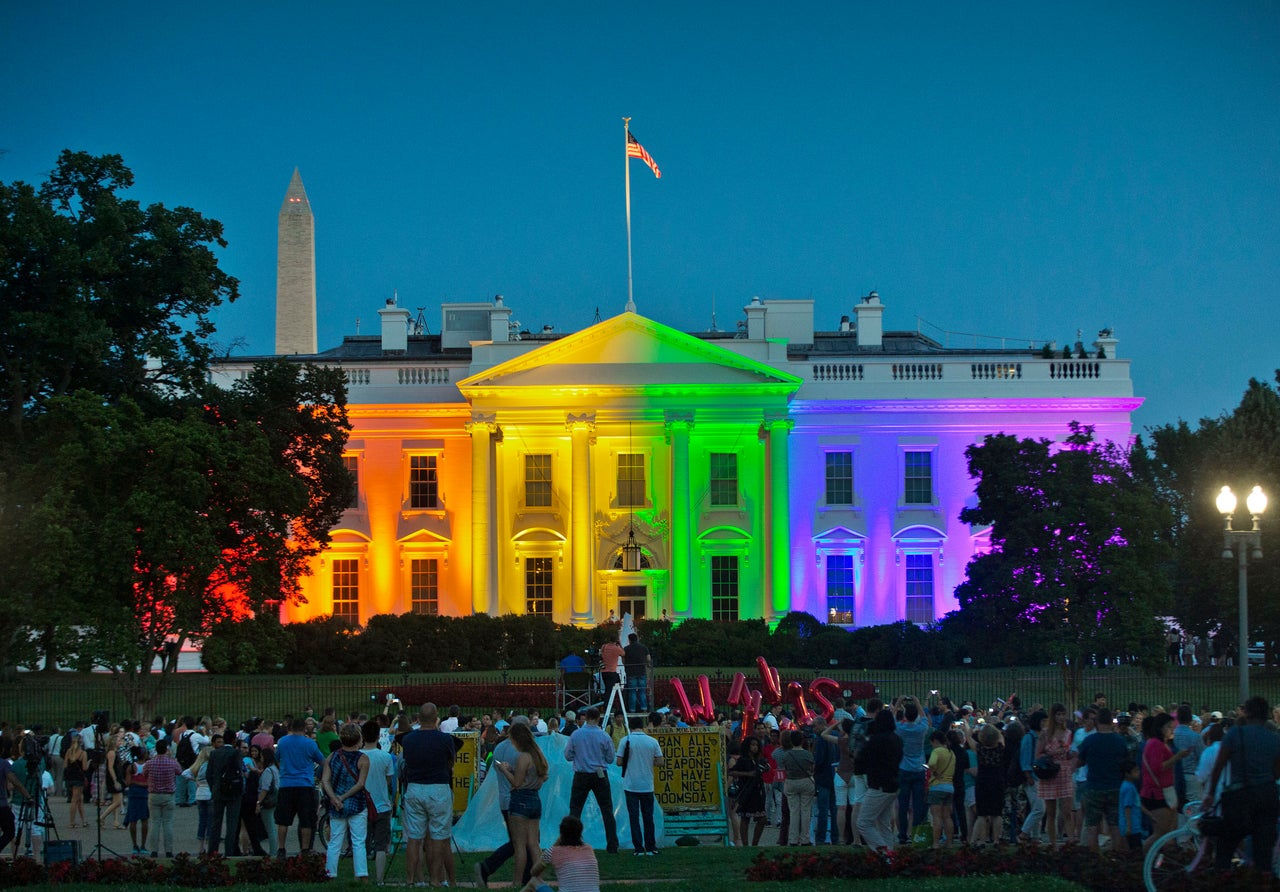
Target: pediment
pixel 630 353
pixel 423 528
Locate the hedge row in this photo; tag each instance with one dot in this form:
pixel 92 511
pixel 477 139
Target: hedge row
pixel 415 643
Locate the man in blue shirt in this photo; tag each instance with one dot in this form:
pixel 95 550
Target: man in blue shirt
pixel 428 798
pixel 914 731
pixel 297 755
pixel 1101 753
pixel 591 752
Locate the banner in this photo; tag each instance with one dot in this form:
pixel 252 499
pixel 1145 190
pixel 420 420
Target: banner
pixel 464 768
pixel 690 778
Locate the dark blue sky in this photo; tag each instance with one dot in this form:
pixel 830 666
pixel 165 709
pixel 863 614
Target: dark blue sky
pixel 1023 170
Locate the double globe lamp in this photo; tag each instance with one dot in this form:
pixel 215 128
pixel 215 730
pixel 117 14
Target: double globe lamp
pixel 1243 544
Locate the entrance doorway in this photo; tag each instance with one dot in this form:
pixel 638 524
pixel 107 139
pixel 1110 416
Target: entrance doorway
pixel 632 599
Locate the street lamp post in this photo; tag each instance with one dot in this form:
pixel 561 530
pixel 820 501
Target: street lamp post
pixel 1244 544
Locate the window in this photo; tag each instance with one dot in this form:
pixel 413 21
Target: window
pixel 537 586
pixel 424 586
pixel 346 590
pixel 352 464
pixel 840 589
pixel 917 483
pixel 919 588
pixel 839 478
pixel 724 479
pixel 631 492
pixel 537 481
pixel 424 485
pixel 724 588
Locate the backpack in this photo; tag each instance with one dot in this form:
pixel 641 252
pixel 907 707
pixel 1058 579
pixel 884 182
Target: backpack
pixel 186 751
pixel 858 734
pixel 230 779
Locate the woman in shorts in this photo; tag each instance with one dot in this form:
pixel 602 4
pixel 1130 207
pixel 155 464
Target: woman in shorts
pixel 526 776
pixel 942 784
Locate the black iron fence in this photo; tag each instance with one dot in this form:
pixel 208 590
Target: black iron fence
pixel 60 700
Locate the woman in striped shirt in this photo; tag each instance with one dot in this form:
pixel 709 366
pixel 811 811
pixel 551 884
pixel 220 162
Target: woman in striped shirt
pixel 574 861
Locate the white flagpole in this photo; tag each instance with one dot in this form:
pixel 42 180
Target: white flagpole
pixel 626 166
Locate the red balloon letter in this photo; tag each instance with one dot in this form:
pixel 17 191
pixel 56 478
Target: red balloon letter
pixel 769 678
pixel 816 688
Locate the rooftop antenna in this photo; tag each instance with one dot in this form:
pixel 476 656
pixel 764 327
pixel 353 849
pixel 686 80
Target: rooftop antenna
pixel 713 313
pixel 420 326
pixel 631 551
pixel 597 319
pixel 357 325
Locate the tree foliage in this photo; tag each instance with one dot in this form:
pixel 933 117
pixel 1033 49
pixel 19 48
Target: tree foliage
pixel 141 504
pixel 1191 465
pixel 1079 548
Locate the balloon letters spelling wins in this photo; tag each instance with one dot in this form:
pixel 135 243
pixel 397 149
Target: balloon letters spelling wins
pixel 751 701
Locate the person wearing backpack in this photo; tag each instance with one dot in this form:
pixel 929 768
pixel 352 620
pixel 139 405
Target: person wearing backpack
pixel 189 739
pixel 226 786
pixel 851 786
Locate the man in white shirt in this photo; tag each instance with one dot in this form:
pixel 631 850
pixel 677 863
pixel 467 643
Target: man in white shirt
pixel 638 754
pixel 1089 725
pixel 380 782
pixel 449 725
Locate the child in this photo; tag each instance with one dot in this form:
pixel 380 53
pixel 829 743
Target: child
pixel 137 811
pixel 1130 806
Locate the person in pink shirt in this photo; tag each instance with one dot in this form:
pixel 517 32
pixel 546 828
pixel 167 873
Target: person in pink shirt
pixel 1158 759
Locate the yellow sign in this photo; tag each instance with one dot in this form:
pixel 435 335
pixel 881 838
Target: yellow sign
pixel 690 778
pixel 464 768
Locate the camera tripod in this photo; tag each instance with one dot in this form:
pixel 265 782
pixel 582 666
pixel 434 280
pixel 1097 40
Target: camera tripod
pixel 34 813
pixel 99 782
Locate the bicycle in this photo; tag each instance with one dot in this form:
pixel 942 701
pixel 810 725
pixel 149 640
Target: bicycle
pixel 1177 853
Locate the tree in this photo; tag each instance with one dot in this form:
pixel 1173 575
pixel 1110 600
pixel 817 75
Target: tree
pixel 223 505
pixel 1079 548
pixel 98 294
pixel 141 504
pixel 1240 449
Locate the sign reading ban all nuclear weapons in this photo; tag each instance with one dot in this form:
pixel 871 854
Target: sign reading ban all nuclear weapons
pixel 464 768
pixel 689 780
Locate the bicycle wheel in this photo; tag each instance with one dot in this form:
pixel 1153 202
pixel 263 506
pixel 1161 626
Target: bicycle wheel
pixel 1171 858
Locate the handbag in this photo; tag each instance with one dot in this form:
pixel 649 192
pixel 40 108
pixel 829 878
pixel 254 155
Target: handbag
pixel 351 806
pixel 1045 768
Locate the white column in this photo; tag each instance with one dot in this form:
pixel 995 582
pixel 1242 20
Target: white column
pixel 779 587
pixel 483 597
pixel 581 428
pixel 678 427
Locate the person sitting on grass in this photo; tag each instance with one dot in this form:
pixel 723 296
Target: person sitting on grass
pixel 574 861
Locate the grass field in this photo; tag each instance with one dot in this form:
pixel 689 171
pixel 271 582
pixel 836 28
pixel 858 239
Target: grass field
pixel 64 697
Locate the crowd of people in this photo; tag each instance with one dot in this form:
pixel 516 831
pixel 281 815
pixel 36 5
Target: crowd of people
pixel 910 770
pixel 882 774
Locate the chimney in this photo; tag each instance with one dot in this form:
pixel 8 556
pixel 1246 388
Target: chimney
pixel 870 321
pixel 499 321
pixel 845 326
pixel 1106 344
pixel 395 327
pixel 755 319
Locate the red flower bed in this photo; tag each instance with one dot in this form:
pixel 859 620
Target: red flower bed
pixel 1107 872
pixel 204 871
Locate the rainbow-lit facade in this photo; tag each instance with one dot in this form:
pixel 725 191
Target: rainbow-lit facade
pixel 772 468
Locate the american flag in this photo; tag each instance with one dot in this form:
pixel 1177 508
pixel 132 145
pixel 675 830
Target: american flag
pixel 635 150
